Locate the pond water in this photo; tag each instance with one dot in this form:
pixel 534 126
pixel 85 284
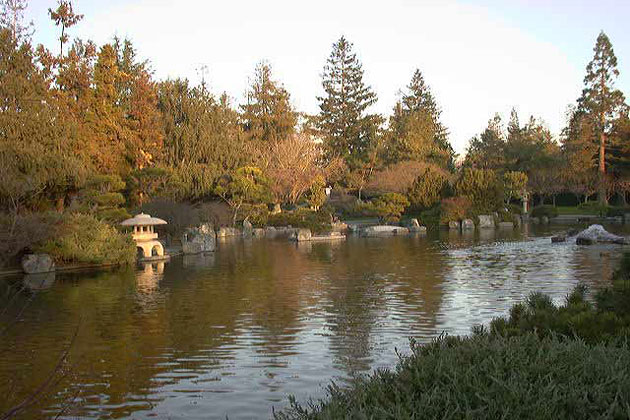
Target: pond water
pixel 235 332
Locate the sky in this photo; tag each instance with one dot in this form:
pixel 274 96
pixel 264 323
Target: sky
pixel 480 57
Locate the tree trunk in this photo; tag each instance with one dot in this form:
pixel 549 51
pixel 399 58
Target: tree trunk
pixel 624 203
pixel 602 169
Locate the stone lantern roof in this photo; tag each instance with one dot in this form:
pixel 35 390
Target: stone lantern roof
pixel 143 220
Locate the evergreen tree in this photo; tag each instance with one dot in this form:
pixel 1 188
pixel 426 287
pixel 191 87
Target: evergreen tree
pixel 348 131
pixel 416 132
pixel 600 102
pixel 268 115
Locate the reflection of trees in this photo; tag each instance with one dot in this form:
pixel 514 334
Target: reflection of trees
pixel 378 281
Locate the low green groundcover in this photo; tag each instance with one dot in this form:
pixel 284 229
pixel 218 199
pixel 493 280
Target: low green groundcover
pixel 488 377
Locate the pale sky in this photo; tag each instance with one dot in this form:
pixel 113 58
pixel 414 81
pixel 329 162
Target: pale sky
pixel 479 56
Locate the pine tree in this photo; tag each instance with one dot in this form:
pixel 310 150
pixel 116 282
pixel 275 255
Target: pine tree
pixel 416 132
pixel 348 131
pixel 268 115
pixel 600 102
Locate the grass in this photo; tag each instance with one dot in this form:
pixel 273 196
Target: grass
pixel 541 362
pixel 578 211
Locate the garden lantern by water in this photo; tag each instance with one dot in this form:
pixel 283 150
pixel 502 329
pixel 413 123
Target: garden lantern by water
pixel 146 238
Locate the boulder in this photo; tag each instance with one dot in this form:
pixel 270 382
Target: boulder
pixel 453 225
pixel 384 230
pixel 199 239
pixel 535 220
pixel 258 232
pixel 339 227
pixel 468 224
pixel 413 223
pixel 420 229
pixel 37 263
pixel 506 225
pixel 39 281
pixel 544 220
pixel 228 231
pixel 558 238
pixel 301 235
pixel 486 221
pixel 248 229
pixel 597 234
pixel 270 232
pixel 276 209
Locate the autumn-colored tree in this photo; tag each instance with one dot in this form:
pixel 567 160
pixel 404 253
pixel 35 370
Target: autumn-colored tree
pixel 12 18
pixel 267 115
pixel 64 17
pixel 600 102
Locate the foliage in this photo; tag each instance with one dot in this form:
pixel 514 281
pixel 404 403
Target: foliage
pixel 267 116
pixel 454 209
pixel 24 233
pixel 617 211
pixel 594 207
pixel 514 185
pixel 415 130
pixel 431 217
pixel 316 196
pixel 317 221
pixel 483 188
pixel 429 188
pixel 397 177
pixel 487 377
pixel 81 238
pixel 388 207
pixel 246 185
pixel 545 210
pixel 102 197
pixel 348 131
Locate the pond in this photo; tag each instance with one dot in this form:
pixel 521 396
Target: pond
pixel 236 332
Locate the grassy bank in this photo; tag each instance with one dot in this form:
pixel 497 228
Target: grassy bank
pixel 543 361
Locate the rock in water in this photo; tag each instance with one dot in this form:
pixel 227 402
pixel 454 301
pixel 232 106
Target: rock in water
pixel 453 225
pixel 486 221
pixel 384 230
pixel 37 263
pixel 559 238
pixel 199 239
pixel 248 229
pixel 468 224
pixel 506 225
pixel 597 234
pixel 301 235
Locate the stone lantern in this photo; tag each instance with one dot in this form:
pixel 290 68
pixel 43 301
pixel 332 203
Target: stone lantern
pixel 144 235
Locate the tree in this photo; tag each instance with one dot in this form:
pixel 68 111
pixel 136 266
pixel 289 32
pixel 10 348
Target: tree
pixel 415 130
pixel 37 156
pixel 65 17
pixel 246 185
pixel 268 115
pixel 293 165
pixel 348 131
pixel 12 18
pixel 429 188
pixel 483 188
pixel 514 185
pixel 487 150
pixel 388 207
pixel 600 102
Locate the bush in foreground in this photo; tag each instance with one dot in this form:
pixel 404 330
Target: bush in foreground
pixel 545 210
pixel 81 238
pixel 522 377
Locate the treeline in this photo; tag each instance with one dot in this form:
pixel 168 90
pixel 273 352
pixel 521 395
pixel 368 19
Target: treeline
pixel 89 129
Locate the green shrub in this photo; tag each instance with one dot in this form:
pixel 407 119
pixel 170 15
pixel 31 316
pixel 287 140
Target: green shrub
pixel 317 221
pixel 617 211
pixel 388 207
pixel 81 238
pixel 484 377
pixel 594 207
pixel 545 210
pixel 515 208
pixel 431 218
pixel 483 187
pixel 429 188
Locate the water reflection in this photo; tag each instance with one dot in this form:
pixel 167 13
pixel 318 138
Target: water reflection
pixel 234 332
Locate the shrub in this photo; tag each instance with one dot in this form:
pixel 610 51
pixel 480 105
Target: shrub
pixel 515 209
pixel 427 189
pixel 454 209
pixel 483 187
pixel 545 210
pixel 317 221
pixel 486 377
pixel 431 218
pixel 388 207
pixel 24 234
pixel 617 211
pixel 594 207
pixel 81 238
